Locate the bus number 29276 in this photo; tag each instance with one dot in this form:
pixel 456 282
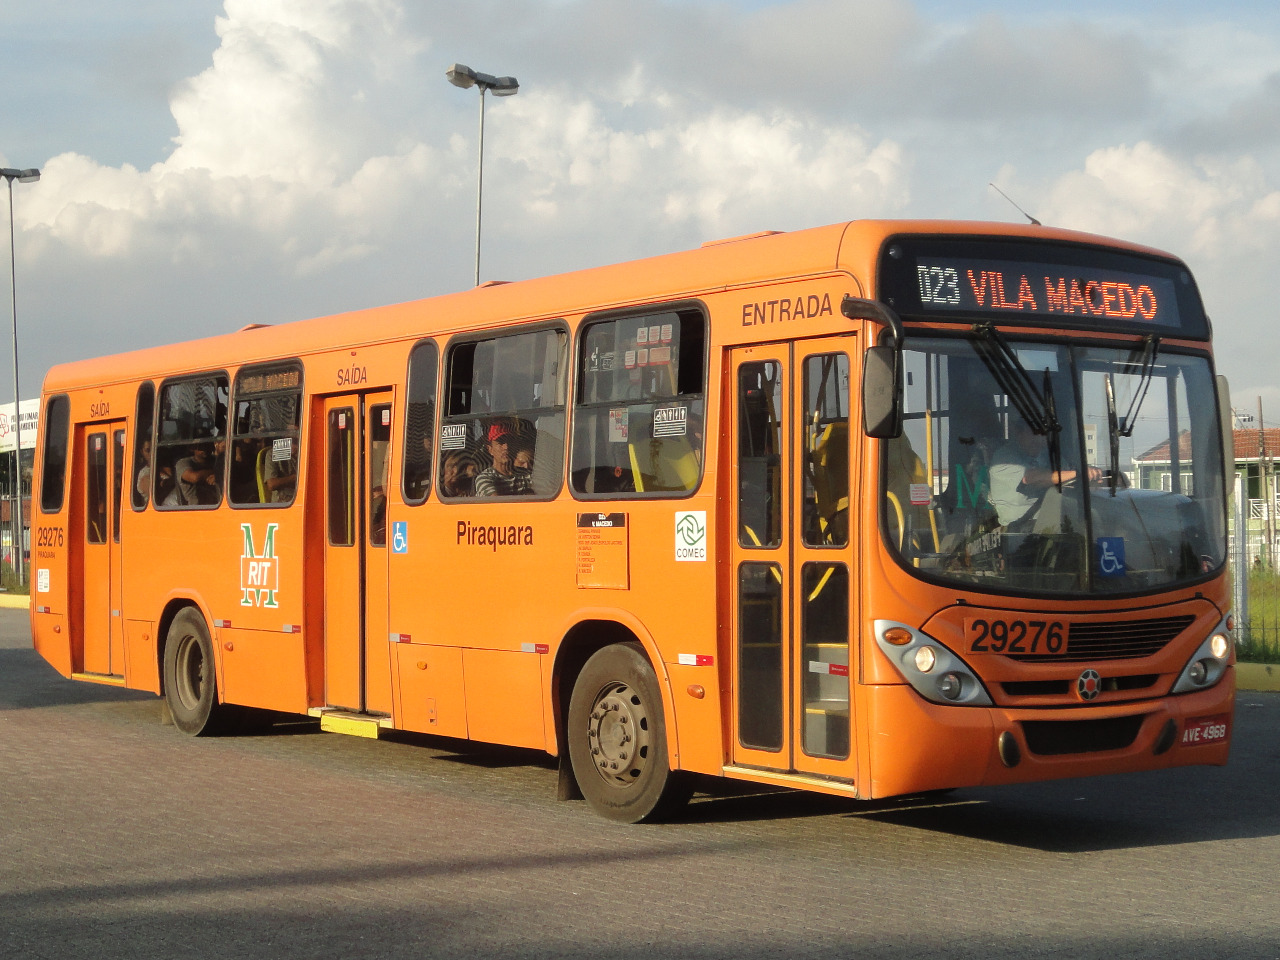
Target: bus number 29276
pixel 1017 636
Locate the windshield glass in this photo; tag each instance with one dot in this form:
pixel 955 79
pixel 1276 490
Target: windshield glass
pixel 1104 476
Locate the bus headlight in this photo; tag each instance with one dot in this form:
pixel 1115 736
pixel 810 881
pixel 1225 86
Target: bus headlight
pixel 933 671
pixel 1219 644
pixel 1209 662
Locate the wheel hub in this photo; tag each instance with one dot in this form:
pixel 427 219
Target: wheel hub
pixel 618 734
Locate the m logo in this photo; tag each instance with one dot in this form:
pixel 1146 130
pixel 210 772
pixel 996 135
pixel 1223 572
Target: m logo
pixel 259 573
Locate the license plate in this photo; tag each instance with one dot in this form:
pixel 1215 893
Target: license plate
pixel 1205 730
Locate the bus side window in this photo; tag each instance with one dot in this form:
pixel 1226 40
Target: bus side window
pixel 142 446
pixel 638 425
pixel 420 422
pixel 265 434
pixel 502 434
pixel 53 471
pixel 191 445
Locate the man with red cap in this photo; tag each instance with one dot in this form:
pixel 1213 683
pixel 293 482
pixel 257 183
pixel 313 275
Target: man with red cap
pixel 502 478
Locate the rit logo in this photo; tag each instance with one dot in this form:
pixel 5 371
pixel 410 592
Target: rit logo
pixel 259 573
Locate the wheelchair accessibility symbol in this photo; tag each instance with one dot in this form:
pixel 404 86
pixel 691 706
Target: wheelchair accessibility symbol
pixel 1111 556
pixel 400 536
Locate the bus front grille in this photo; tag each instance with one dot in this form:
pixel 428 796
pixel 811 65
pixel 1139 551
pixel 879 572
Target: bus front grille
pixel 1088 641
pixel 1050 738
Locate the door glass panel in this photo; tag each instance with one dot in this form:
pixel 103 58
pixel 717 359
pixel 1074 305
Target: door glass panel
pixel 117 473
pixel 824 625
pixel 420 421
pixel 141 488
pixel 379 463
pixel 760 675
pixel 342 475
pixel 96 508
pixel 760 444
pixel 826 450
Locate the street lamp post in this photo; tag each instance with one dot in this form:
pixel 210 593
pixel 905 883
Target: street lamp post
pixel 463 76
pixel 30 175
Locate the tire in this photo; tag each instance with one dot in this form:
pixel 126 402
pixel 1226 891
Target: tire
pixel 617 738
pixel 190 685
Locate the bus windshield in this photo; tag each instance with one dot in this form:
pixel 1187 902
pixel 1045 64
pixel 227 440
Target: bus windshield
pixel 1054 468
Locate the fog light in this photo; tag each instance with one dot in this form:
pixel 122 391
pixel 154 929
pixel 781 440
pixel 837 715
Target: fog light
pixel 1219 645
pixel 1198 673
pixel 925 659
pixel 950 686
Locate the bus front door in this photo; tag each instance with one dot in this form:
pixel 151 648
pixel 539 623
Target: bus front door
pixel 101 464
pixel 792 557
pixel 357 666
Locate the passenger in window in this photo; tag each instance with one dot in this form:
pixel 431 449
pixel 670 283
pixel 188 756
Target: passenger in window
pixel 280 477
pixel 501 478
pixel 197 476
pixel 523 458
pixel 164 476
pixel 458 475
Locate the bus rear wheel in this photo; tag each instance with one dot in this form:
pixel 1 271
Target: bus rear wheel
pixel 190 686
pixel 617 738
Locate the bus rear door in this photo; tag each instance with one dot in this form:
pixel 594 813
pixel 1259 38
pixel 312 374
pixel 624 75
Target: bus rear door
pixel 357 442
pixel 792 556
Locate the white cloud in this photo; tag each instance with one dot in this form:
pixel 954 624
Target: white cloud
pixel 322 162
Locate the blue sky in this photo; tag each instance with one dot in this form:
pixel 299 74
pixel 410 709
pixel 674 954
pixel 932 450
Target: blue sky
pixel 209 164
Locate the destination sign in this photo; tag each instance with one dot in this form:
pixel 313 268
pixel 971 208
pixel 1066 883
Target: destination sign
pixel 1045 290
pixel 1019 282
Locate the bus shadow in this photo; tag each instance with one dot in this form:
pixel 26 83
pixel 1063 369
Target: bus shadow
pixel 1092 816
pixel 27 681
pixel 471 753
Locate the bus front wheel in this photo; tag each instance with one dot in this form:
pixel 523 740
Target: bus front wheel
pixel 617 738
pixel 190 686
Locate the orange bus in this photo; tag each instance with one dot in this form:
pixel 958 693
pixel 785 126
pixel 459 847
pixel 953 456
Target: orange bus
pixel 870 509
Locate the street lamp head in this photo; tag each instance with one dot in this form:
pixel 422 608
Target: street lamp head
pixel 461 75
pixel 30 175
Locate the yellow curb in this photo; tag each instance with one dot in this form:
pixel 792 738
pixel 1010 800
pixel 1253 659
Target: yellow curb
pixel 15 601
pixel 1258 676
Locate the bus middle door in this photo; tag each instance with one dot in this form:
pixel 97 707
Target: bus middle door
pixel 357 667
pixel 792 556
pixel 101 463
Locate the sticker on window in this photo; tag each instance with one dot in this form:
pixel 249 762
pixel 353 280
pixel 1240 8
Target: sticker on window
pixel 618 425
pixel 1111 556
pixel 670 421
pixel 453 436
pixel 282 449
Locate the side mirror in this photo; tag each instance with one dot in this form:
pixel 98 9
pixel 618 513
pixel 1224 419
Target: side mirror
pixel 881 393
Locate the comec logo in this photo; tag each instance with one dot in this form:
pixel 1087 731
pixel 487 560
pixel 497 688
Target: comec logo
pixel 691 535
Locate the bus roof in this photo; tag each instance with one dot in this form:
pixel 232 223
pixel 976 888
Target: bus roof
pixel 852 247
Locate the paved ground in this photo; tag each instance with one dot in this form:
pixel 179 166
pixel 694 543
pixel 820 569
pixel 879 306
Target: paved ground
pixel 120 837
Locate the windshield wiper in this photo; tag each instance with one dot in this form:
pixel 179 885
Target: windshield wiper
pixel 1150 349
pixel 1033 406
pixel 1113 433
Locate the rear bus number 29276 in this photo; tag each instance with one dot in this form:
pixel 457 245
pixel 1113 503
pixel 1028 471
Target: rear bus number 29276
pixel 1017 636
